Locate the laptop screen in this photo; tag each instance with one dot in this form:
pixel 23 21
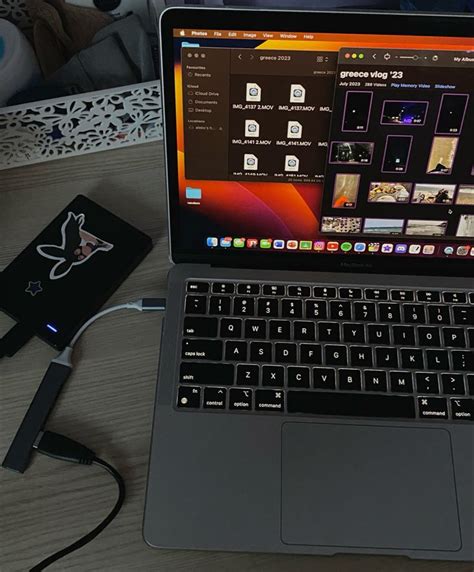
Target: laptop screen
pixel 325 143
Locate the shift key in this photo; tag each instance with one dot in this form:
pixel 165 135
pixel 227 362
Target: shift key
pixel 202 349
pixel 207 373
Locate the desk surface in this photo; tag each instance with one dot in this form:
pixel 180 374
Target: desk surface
pixel 108 402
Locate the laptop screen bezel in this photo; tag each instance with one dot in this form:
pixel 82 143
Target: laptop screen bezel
pixel 369 22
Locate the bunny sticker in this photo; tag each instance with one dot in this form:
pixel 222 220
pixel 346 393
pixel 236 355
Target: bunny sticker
pixel 77 246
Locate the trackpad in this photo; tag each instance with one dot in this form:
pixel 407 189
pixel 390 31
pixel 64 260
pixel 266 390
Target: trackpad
pixel 368 487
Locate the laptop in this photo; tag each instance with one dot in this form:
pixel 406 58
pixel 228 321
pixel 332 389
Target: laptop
pixel 316 379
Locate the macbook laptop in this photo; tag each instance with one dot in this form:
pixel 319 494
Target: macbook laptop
pixel 316 382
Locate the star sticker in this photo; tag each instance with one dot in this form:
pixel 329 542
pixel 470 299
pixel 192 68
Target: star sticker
pixel 34 288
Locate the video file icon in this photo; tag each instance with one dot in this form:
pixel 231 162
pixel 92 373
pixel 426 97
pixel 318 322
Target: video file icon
pixel 250 162
pixel 252 128
pixel 292 163
pixel 253 92
pixel 295 130
pixel 297 93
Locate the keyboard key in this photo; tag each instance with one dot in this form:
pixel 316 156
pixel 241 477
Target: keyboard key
pixel 240 399
pixel 463 360
pixel 198 287
pixel 401 382
pixel 214 398
pixel 454 297
pixel 273 375
pixel 336 355
pixel 463 409
pixel 200 327
pixel 351 293
pixel 454 337
pixel 244 306
pixel 412 358
pixel 255 329
pixel 324 378
pixel 202 349
pixel 236 351
pixel 285 353
pixel 378 334
pixel 298 377
pixel 231 328
pixel 261 351
pixel 324 292
pixel 273 290
pixel 463 315
pixel 470 334
pixel 404 335
pixel 453 383
pixel 437 359
pixel 268 307
pixel 340 310
pixel 219 305
pixel 328 332
pixel 428 336
pixel 428 296
pixel 248 289
pixel 299 291
pixel 470 384
pixel 365 311
pixel 386 357
pixel 189 397
pixel 376 294
pixel 414 313
pixel 196 304
pixel 291 308
pixel 375 380
pixel 354 333
pixel 316 309
pixel 389 313
pixel 280 330
pixel 433 407
pixel 305 331
pixel 248 374
pixel 361 355
pixel 350 379
pixel 310 353
pixel 269 400
pixel 223 288
pixel 471 297
pixel 402 295
pixel 355 404
pixel 206 373
pixel 439 315
pixel 427 382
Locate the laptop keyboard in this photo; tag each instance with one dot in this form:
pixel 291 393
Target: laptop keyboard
pixel 323 350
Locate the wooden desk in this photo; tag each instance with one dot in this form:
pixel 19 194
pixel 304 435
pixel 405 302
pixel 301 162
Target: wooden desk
pixel 108 402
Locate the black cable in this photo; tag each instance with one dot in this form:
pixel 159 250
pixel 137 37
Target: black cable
pixel 63 448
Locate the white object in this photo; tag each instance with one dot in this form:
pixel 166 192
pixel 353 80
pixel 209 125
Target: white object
pixel 252 128
pixel 297 93
pixel 18 64
pixel 253 92
pixel 295 130
pixel 292 163
pixel 250 162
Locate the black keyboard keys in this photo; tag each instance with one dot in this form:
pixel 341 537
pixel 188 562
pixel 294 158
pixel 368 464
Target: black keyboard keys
pixel 214 398
pixel 386 357
pixel 324 292
pixel 280 330
pixel 292 308
pixel 375 380
pixel 354 333
pixel 328 332
pixel 433 407
pixel 324 378
pixel 219 305
pixel 463 409
pixel 453 383
pixel 244 306
pixel 364 311
pixel 305 331
pixel 200 327
pixel 412 358
pixel 198 287
pixel 285 353
pixel 202 349
pixel 248 374
pixel 438 314
pixel 269 400
pixel 350 379
pixel 376 294
pixel 248 289
pixel 389 313
pixel 240 399
pixel 355 404
pixel 427 382
pixel 401 382
pixel 378 334
pixel 402 295
pixel 454 337
pixel 310 354
pixel 255 329
pixel 299 291
pixel 273 290
pixel 463 360
pixel 340 310
pixel 454 297
pixel 428 296
pixel 298 377
pixel 336 355
pixel 463 315
pixel 350 293
pixel 404 335
pixel 361 356
pixel 316 309
pixel 206 373
pixel 414 313
pixel 231 328
pixel 261 351
pixel 195 304
pixel 189 397
pixel 273 375
pixel 223 288
pixel 236 351
pixel 437 359
pixel 428 336
pixel 268 307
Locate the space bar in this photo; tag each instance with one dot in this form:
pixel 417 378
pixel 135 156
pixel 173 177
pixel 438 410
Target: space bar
pixel 363 405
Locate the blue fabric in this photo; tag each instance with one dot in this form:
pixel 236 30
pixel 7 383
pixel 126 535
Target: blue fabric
pixel 2 48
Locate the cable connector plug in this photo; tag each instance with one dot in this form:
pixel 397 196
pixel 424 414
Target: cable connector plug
pixel 151 304
pixel 60 447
